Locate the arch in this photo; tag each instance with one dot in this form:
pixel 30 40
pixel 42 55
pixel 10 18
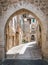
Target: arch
pixel 27 6
pixel 23 10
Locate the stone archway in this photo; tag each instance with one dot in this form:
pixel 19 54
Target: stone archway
pixel 23 11
pixel 37 13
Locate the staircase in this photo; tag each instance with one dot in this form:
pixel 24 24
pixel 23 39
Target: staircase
pixel 31 53
pixel 24 62
pixel 32 56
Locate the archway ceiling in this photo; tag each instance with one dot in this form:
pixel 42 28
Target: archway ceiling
pixel 41 4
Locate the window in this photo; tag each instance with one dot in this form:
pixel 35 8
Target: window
pixel 33 20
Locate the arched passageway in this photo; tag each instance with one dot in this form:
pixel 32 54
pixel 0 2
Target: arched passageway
pixel 21 28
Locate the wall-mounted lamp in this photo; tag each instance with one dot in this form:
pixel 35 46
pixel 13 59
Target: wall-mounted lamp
pixel 25 19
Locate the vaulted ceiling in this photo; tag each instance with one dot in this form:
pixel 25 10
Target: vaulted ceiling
pixel 41 4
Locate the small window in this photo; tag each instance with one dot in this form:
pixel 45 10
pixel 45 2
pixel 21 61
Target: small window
pixel 33 20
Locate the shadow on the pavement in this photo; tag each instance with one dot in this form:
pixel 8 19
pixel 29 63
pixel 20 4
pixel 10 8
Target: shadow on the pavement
pixel 24 62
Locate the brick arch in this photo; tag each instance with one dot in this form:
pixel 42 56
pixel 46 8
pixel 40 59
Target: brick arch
pixel 37 13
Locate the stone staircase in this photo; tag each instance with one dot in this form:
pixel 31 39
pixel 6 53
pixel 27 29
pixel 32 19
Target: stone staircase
pixel 24 62
pixel 31 53
pixel 32 56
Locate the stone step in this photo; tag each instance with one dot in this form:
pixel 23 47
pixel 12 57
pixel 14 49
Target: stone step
pixel 24 62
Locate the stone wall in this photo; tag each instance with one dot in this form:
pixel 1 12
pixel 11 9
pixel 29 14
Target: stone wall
pixel 41 4
pixel 46 50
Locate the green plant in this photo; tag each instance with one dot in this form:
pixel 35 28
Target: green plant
pixel 24 41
